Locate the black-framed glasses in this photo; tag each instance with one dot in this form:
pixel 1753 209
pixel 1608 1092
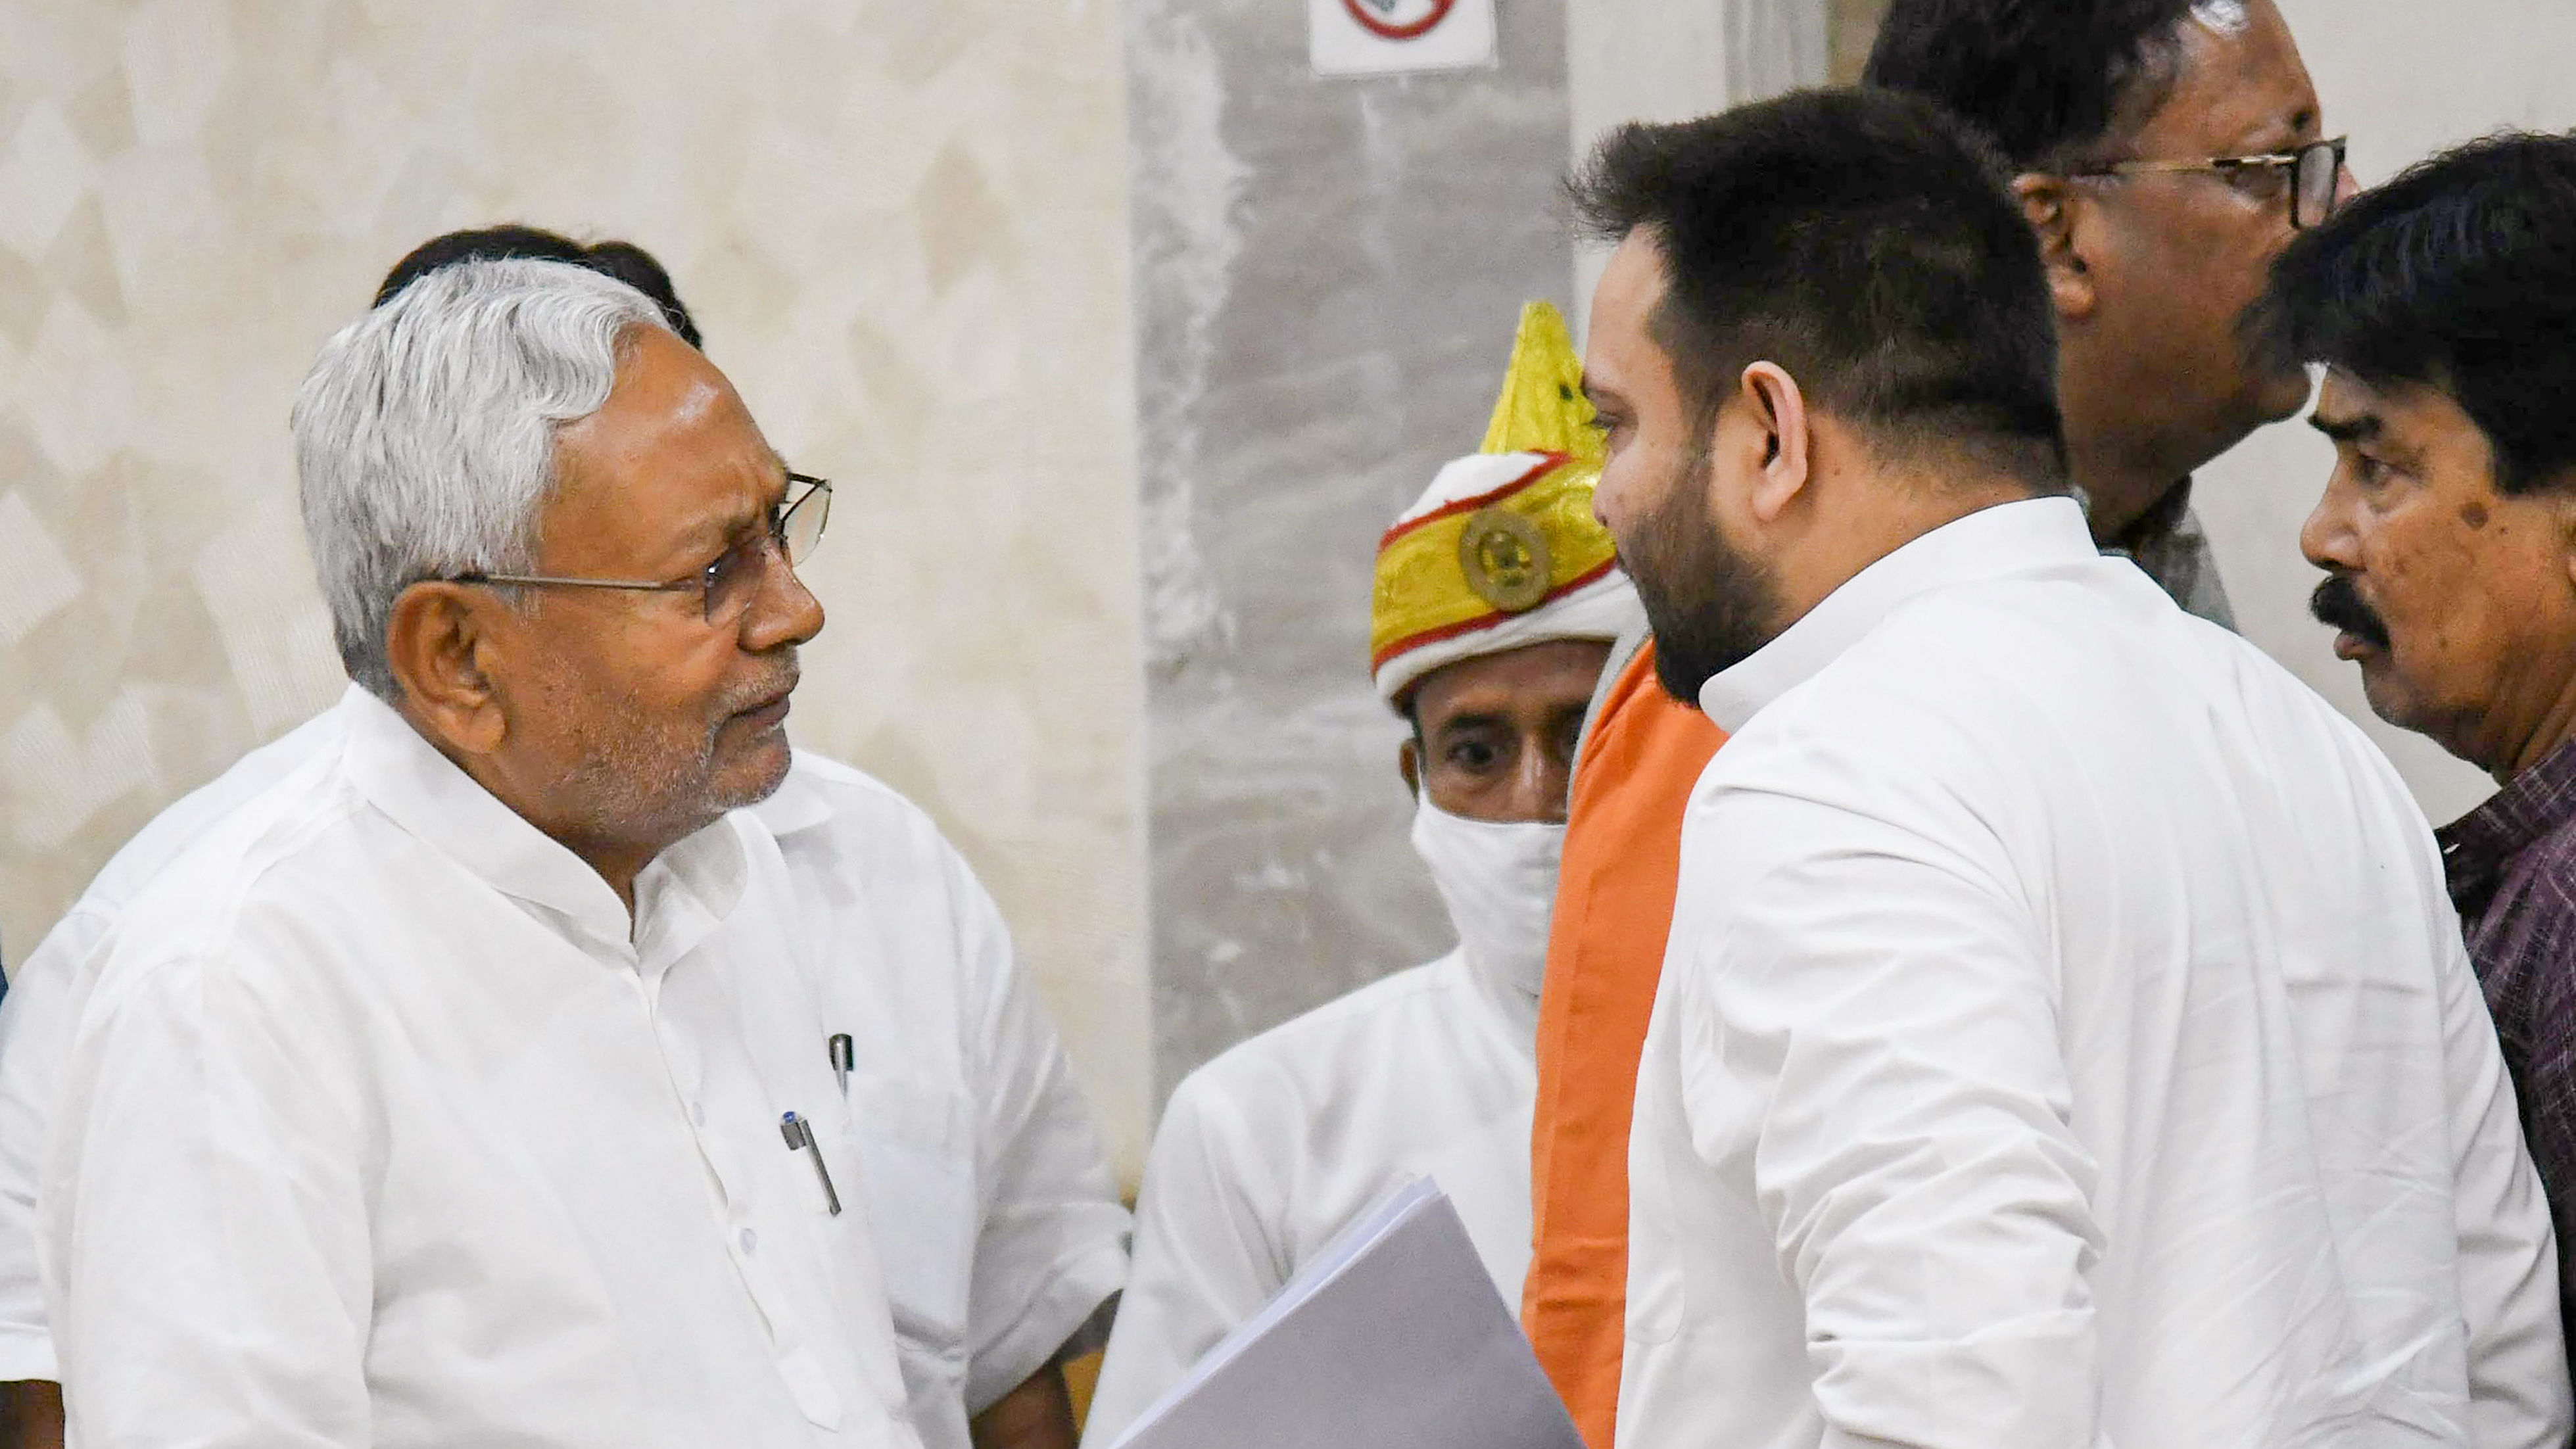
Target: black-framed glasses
pixel 2314 171
pixel 725 586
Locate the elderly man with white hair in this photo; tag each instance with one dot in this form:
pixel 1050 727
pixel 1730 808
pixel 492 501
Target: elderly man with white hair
pixel 994 1213
pixel 1497 599
pixel 469 1084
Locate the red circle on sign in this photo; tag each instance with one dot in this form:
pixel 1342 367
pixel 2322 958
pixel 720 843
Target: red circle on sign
pixel 1439 11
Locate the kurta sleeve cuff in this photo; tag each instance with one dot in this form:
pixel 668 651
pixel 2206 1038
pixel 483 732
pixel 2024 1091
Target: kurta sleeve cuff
pixel 1058 1310
pixel 27 1352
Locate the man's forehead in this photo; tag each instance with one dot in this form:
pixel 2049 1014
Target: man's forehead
pixel 2404 413
pixel 1635 277
pixel 669 398
pixel 673 458
pixel 1545 675
pixel 2241 83
pixel 2353 407
pixel 665 382
pixel 2342 396
pixel 1623 305
pixel 2345 394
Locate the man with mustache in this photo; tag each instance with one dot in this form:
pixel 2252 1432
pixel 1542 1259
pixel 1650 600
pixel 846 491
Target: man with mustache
pixel 2441 306
pixel 2064 1037
pixel 465 1085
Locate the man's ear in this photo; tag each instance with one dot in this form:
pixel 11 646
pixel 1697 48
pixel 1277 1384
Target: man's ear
pixel 436 645
pixel 1408 763
pixel 1776 405
pixel 2052 207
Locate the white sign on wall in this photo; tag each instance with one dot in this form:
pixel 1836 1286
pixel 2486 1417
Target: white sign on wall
pixel 1390 37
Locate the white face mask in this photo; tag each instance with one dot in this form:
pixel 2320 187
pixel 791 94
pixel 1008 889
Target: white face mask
pixel 1499 882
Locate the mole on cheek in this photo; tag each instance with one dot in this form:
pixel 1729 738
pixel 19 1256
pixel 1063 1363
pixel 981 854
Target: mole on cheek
pixel 2474 515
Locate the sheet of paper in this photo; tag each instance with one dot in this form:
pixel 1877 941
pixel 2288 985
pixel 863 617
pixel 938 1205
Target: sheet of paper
pixel 1391 37
pixel 1392 1338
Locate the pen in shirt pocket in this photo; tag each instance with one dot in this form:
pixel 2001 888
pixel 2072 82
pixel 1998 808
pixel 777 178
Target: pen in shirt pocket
pixel 845 1059
pixel 800 1138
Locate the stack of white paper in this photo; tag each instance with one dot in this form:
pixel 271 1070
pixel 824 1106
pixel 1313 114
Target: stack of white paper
pixel 1392 1339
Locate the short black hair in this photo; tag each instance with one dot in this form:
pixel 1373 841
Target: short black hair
pixel 2460 275
pixel 1864 241
pixel 2047 79
pixel 622 260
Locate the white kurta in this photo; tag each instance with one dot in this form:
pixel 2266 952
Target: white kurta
pixel 1274 1147
pixel 687 1295
pixel 2065 1039
pixel 995 1215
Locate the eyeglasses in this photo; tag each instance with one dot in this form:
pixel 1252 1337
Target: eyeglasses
pixel 2315 173
pixel 725 587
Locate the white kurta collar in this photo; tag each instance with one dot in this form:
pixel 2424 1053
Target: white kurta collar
pixel 2008 539
pixel 425 793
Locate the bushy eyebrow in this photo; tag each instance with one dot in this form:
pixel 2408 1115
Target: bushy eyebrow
pixel 2359 428
pixel 1474 720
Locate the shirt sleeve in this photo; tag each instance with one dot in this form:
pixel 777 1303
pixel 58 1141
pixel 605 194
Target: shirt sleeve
pixel 1882 1043
pixel 203 1235
pixel 34 1026
pixel 2510 1277
pixel 1205 1261
pixel 1051 1244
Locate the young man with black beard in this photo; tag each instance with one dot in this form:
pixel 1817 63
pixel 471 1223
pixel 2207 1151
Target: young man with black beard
pixel 2064 1036
pixel 2164 151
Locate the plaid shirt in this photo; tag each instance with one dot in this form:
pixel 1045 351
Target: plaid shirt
pixel 2512 870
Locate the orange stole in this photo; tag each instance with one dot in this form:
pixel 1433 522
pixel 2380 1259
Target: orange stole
pixel 1605 953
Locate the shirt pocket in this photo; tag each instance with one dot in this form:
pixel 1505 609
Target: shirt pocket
pixel 1656 1300
pixel 917 1159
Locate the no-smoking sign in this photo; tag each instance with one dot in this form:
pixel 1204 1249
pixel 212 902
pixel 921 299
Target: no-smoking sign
pixel 1399 19
pixel 1386 37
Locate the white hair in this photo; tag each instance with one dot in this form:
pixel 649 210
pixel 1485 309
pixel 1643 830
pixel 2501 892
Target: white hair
pixel 2227 17
pixel 425 433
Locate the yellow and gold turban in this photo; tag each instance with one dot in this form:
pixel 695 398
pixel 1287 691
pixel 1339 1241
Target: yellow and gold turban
pixel 1502 551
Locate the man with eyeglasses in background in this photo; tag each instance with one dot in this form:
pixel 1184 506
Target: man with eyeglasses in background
pixel 976 1167
pixel 2168 150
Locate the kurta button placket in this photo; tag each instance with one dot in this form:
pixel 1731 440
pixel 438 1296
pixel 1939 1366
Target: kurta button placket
pixel 462 976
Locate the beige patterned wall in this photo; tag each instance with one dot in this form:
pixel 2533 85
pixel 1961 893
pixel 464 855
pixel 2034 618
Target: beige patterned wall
pixel 1658 60
pixel 903 225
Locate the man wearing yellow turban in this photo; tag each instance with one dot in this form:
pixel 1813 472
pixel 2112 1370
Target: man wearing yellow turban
pixel 1496 601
